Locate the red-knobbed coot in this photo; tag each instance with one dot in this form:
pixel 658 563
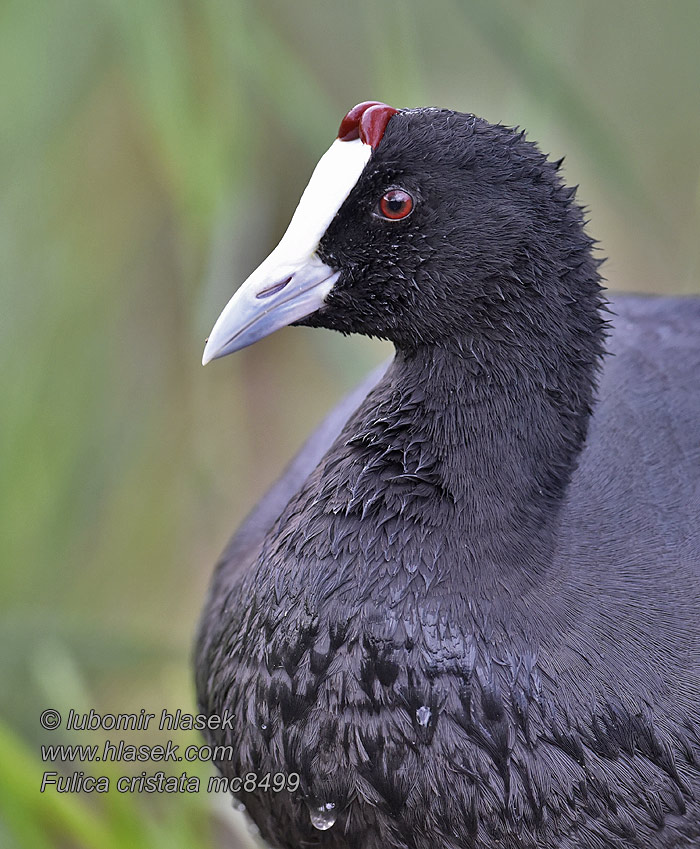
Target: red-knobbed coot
pixel 468 614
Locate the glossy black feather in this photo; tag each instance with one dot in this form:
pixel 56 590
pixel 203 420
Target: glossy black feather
pixel 471 618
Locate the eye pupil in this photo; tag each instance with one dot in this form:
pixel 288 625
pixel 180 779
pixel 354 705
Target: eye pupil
pixel 395 204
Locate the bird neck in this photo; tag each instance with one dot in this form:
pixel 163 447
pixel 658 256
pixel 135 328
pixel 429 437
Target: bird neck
pixel 474 450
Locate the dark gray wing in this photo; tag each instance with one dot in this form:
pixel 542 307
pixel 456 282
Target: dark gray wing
pixel 632 517
pixel 640 467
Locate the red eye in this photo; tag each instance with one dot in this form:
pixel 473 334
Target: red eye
pixel 395 204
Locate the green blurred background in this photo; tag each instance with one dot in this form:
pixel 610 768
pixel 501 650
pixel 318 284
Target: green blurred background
pixel 151 154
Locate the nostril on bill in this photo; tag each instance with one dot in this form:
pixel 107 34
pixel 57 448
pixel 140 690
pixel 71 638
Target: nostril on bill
pixel 276 287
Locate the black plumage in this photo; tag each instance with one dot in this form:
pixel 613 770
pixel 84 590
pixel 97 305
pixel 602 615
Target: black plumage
pixel 468 615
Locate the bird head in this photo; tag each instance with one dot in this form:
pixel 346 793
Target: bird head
pixel 426 227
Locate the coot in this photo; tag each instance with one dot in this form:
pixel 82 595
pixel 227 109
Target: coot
pixel 468 614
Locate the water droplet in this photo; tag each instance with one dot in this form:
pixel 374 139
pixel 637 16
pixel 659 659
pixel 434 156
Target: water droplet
pixel 323 816
pixel 423 715
pixel 264 727
pixel 238 806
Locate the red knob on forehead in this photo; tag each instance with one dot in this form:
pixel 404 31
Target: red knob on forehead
pixel 350 125
pixel 373 123
pixel 366 121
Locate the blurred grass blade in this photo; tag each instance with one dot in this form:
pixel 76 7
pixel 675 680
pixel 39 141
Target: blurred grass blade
pixel 51 815
pixel 535 67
